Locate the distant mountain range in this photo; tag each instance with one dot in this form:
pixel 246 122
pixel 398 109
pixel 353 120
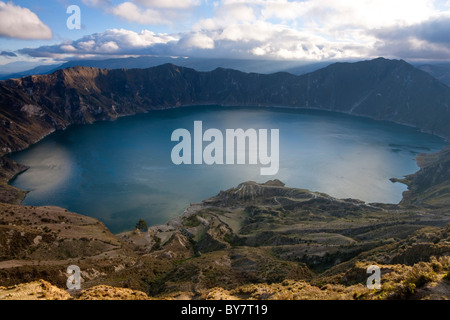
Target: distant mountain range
pixel 44 69
pixel 391 90
pixel 439 71
pixel 143 62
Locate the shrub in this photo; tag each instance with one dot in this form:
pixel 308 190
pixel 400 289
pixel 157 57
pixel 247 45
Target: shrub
pixel 192 221
pixel 142 225
pixel 421 274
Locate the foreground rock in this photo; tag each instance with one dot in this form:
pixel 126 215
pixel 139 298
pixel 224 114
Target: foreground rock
pixel 41 242
pixel 43 290
pixel 427 281
pixel 38 290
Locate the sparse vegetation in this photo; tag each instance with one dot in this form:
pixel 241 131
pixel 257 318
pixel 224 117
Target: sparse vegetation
pixel 141 225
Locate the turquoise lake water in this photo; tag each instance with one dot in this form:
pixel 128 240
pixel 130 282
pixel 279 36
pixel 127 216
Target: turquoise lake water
pixel 121 171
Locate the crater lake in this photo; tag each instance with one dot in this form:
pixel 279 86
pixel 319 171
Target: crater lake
pixel 121 171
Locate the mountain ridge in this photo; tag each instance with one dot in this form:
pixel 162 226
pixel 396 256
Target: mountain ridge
pixel 199 64
pixel 392 90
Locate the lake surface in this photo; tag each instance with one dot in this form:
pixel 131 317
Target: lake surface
pixel 122 171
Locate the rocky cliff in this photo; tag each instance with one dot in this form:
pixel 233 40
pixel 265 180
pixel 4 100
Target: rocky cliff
pixel 392 90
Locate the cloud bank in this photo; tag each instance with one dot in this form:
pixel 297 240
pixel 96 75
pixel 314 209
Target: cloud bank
pixel 8 54
pixel 21 23
pixel 272 29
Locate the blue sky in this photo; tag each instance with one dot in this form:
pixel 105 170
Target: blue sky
pixel 307 30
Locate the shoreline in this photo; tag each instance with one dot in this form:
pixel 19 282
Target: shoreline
pixel 220 105
pixel 274 107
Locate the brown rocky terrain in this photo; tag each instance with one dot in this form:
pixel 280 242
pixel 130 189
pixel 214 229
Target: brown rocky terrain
pixel 43 290
pixel 255 241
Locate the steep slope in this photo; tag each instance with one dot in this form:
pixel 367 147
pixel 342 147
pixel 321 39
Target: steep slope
pixel 265 233
pixel 38 242
pixel 439 71
pixel 430 186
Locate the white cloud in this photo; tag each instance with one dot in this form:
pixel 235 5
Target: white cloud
pixel 273 29
pixel 133 13
pixel 113 41
pixel 197 40
pixel 310 29
pixel 68 48
pixel 153 12
pixel 121 39
pixel 329 13
pixel 172 4
pixel 369 13
pixel 227 14
pixel 21 23
pixel 258 31
pixel 108 47
pixel 82 46
pixel 260 39
pixel 96 3
pixel 427 40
